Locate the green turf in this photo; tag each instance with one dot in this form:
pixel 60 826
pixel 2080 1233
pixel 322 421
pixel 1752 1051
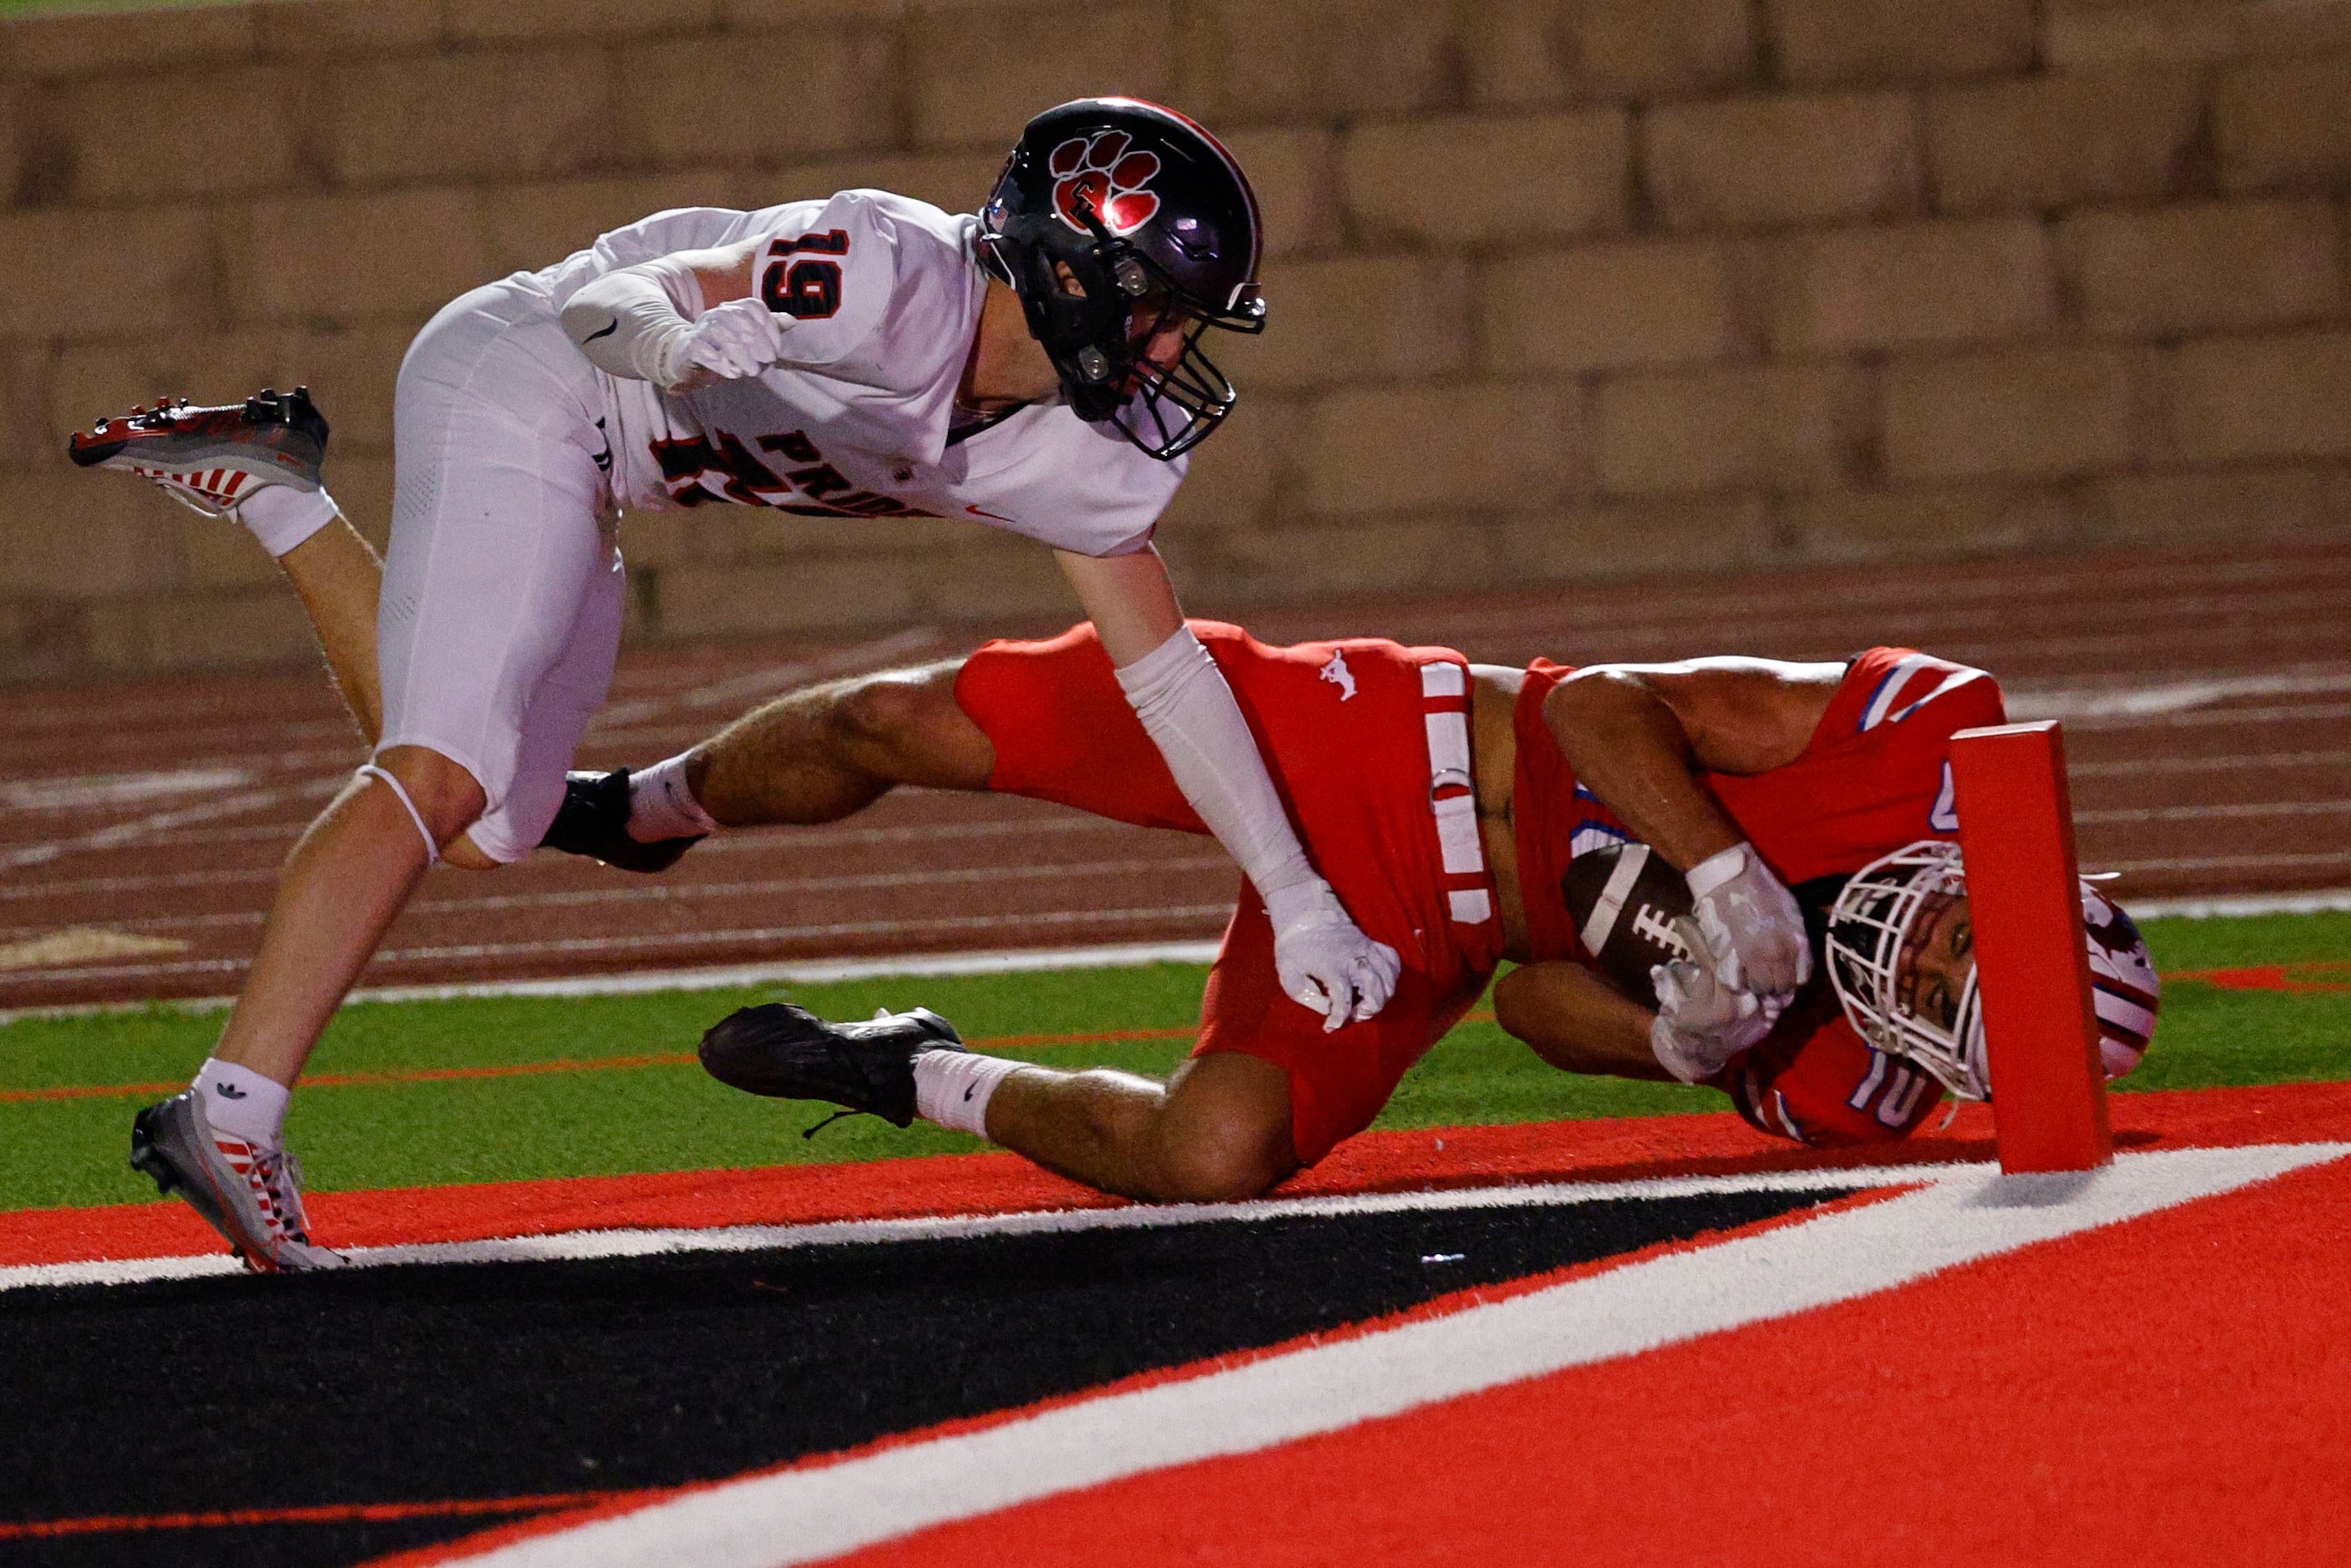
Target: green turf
pixel 672 1118
pixel 84 7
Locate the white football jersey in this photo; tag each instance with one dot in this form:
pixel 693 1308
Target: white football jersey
pixel 885 294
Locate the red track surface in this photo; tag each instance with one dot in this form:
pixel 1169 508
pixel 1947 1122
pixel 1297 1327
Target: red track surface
pixel 2207 696
pixel 1718 1144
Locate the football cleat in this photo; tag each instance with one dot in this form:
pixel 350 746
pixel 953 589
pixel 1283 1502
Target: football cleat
pixel 212 459
pixel 250 1195
pixel 593 820
pixel 791 1053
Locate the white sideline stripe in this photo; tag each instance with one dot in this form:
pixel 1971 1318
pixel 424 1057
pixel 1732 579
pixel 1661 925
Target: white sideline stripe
pixel 128 833
pixel 638 983
pixel 1112 955
pixel 2237 907
pixel 757 840
pixel 656 940
pixel 2227 862
pixel 820 1511
pixel 2276 714
pixel 2170 696
pixel 2129 767
pixel 762 684
pixel 2215 813
pixel 575 1246
pixel 684 892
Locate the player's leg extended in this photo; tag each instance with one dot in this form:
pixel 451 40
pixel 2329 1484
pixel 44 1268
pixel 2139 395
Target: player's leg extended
pixel 1040 719
pixel 1218 1130
pixel 819 755
pixel 806 757
pixel 500 618
pixel 348 877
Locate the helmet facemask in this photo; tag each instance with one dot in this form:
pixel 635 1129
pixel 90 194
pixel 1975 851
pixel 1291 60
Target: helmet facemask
pixel 1098 306
pixel 1877 932
pixel 1889 916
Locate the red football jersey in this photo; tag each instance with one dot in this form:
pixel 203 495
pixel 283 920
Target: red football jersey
pixel 1875 776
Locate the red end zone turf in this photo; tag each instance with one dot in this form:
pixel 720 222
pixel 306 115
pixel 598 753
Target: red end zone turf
pixel 2171 1390
pixel 1000 1183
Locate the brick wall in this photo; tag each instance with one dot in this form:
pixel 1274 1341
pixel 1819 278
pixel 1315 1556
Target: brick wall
pixel 1559 287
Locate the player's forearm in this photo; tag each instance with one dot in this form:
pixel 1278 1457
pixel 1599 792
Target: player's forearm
pixel 1628 747
pixel 1577 1021
pixel 634 322
pixel 1187 708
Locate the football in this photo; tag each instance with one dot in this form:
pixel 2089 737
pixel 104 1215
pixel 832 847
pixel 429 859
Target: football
pixel 1625 900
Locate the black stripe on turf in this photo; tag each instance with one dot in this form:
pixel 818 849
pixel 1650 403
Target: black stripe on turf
pixel 493 1380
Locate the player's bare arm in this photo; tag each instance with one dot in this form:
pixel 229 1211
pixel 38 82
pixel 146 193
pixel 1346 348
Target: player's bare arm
pixel 1577 1021
pixel 1638 736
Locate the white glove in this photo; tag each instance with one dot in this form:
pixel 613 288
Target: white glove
pixel 1702 1023
pixel 1752 923
pixel 1324 962
pixel 732 342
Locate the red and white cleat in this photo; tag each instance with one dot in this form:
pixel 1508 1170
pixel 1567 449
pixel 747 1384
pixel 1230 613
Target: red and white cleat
pixel 214 459
pixel 249 1194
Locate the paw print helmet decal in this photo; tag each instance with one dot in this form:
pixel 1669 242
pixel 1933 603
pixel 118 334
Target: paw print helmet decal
pixel 1128 232
pixel 1105 173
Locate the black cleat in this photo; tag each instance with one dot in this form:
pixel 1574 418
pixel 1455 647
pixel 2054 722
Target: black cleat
pixel 593 820
pixel 791 1054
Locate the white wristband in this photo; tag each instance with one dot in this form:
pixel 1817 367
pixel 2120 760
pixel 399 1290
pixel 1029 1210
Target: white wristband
pixel 1717 870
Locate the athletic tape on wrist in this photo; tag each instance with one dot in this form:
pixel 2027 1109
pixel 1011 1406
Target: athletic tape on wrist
pixel 1713 873
pixel 432 850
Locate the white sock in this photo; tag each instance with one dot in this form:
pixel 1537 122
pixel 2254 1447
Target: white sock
pixel 281 516
pixel 953 1088
pixel 662 807
pixel 239 1100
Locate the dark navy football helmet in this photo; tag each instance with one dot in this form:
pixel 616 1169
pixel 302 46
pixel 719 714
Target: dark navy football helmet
pixel 1158 230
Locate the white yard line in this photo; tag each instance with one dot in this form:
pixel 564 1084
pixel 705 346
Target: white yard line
pixel 807 1513
pixel 729 976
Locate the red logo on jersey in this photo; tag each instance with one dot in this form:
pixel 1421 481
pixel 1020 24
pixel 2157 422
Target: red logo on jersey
pixel 1111 179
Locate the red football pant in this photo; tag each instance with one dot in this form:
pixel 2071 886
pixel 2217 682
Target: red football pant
pixel 1352 761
